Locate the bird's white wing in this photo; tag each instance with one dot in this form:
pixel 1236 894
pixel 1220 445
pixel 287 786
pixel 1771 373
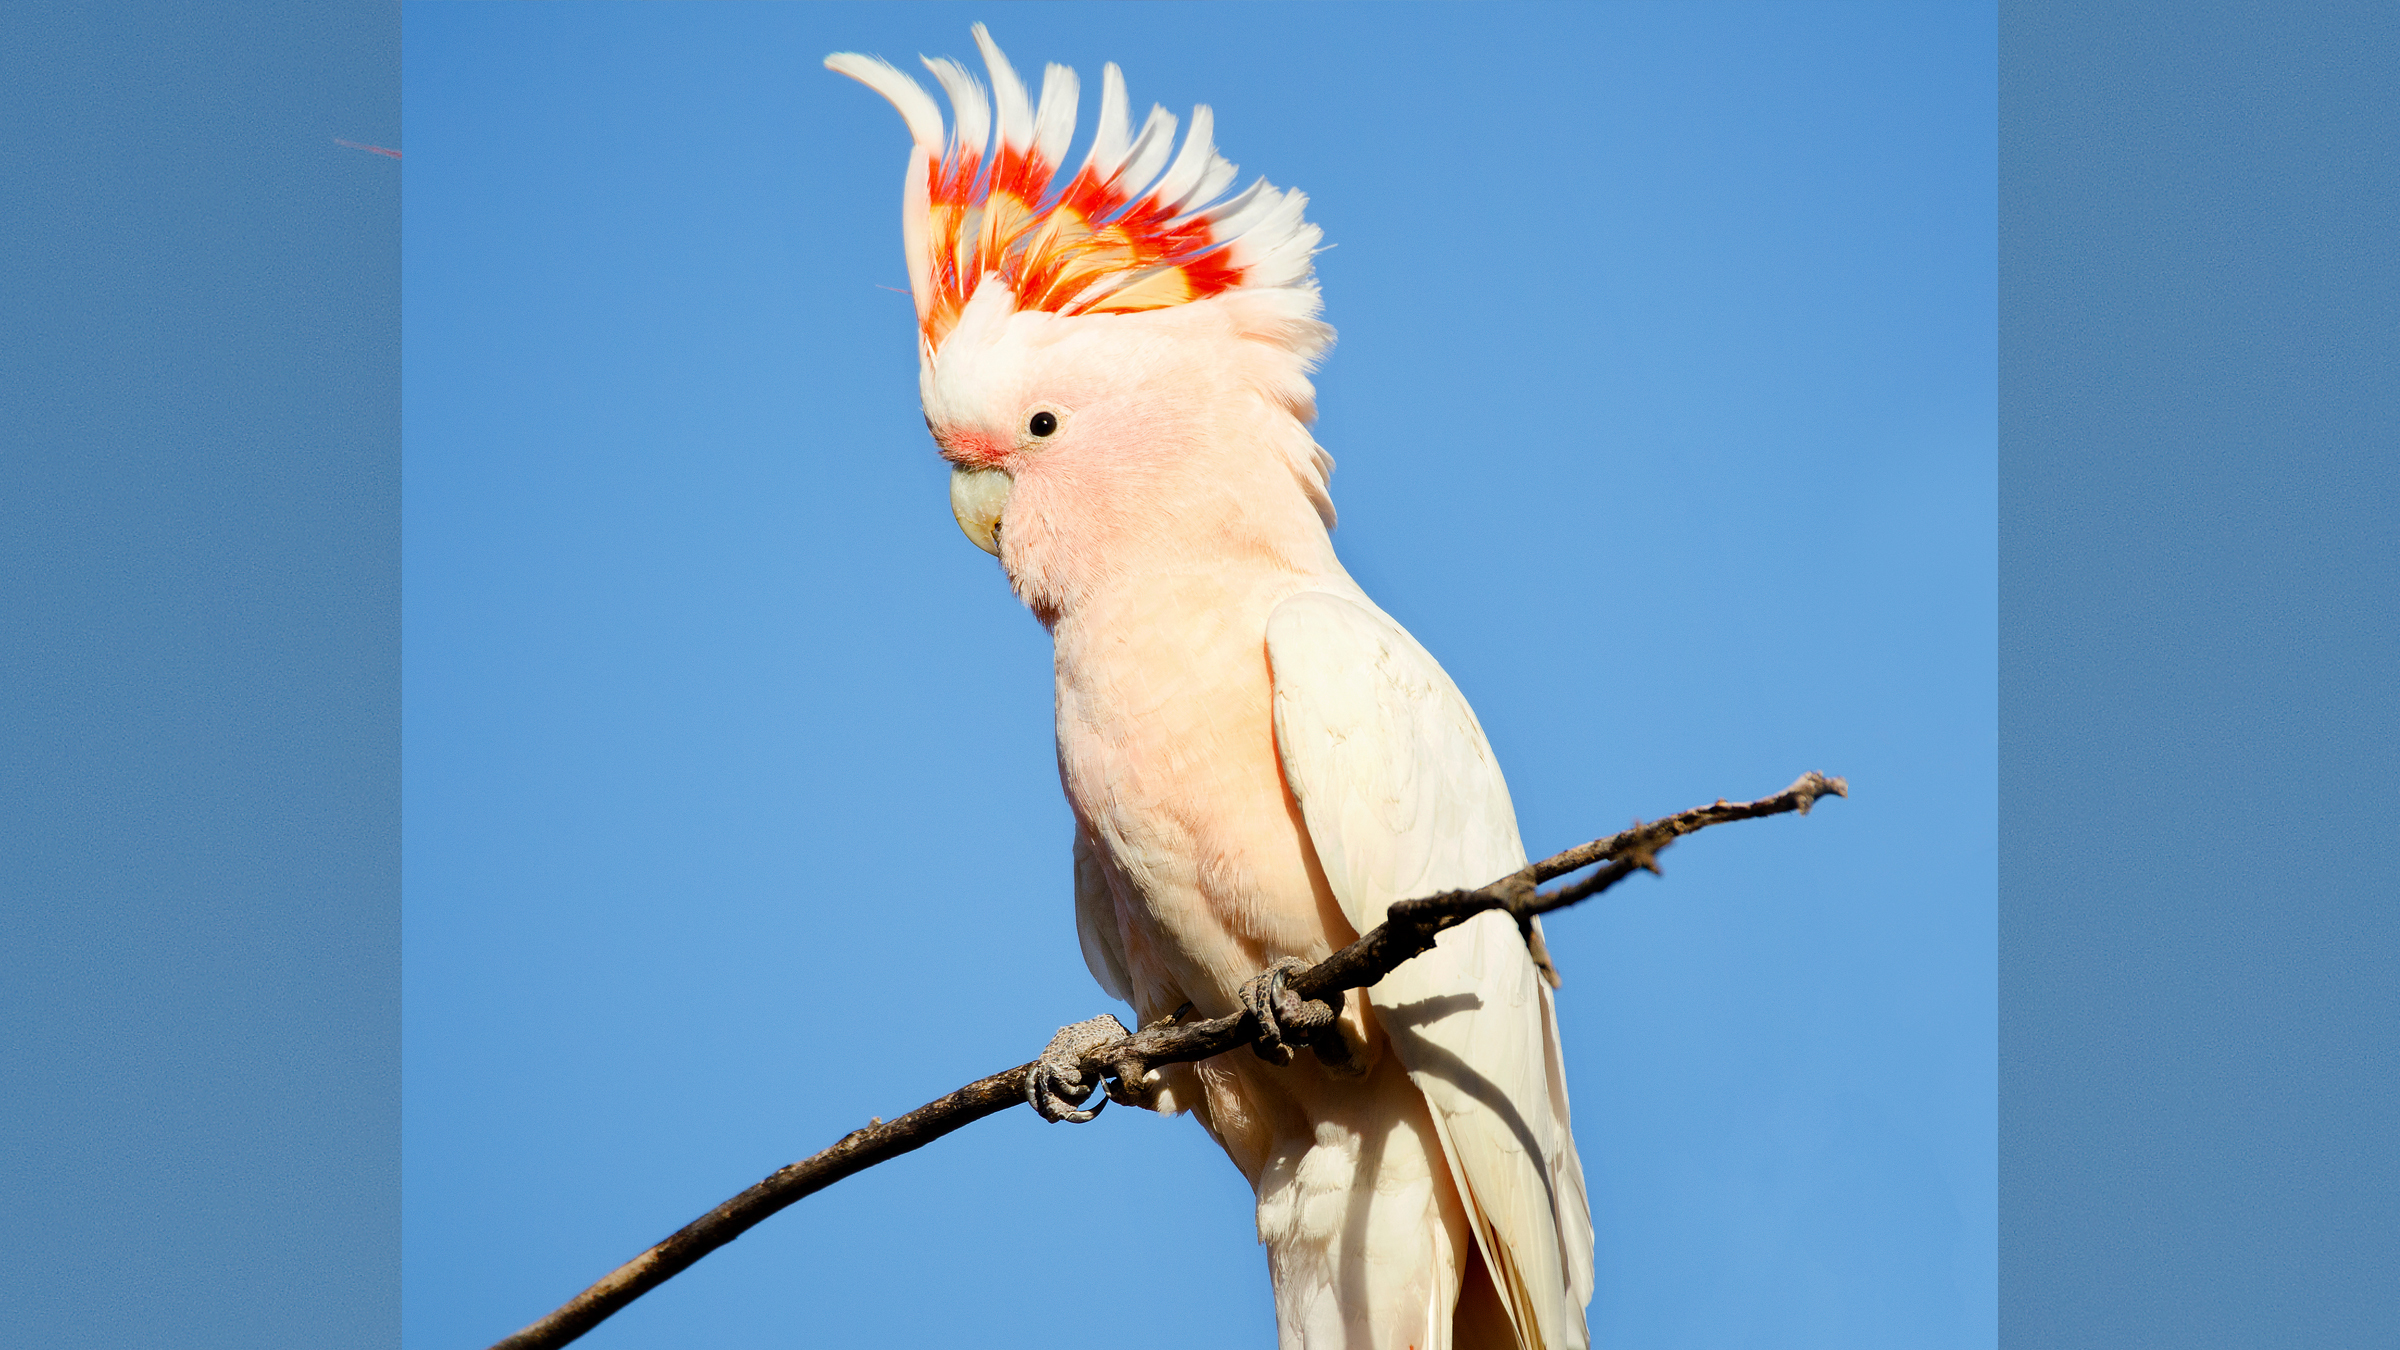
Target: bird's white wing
pixel 1402 798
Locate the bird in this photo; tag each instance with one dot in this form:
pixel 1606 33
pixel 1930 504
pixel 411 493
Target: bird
pixel 1115 361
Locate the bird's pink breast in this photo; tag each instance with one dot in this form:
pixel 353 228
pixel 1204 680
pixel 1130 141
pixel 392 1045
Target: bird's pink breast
pixel 1167 752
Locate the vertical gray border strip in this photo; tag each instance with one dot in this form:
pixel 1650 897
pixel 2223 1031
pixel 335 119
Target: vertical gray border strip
pixel 2199 938
pixel 199 675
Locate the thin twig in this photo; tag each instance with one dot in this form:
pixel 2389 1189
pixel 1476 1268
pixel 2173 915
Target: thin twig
pixel 857 1151
pixel 1409 929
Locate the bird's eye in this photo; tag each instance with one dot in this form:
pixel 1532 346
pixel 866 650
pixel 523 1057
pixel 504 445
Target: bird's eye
pixel 1042 424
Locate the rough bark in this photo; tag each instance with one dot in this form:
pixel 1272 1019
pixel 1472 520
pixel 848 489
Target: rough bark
pixel 1409 929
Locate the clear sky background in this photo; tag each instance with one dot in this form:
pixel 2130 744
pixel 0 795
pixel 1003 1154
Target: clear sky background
pixel 1664 403
pixel 200 706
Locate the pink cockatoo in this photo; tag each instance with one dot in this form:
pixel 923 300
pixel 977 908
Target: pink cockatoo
pixel 1115 362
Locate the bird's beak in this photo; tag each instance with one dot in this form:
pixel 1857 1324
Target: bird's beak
pixel 977 497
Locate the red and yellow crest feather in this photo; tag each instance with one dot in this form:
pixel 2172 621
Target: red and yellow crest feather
pixel 1107 239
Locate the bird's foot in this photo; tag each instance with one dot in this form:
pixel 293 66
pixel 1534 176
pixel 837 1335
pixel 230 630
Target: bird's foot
pixel 1059 1082
pixel 1284 1017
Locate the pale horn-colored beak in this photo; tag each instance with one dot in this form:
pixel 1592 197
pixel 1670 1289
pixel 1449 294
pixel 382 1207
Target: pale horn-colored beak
pixel 977 497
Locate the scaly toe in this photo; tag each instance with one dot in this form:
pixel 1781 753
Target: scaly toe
pixel 1279 1011
pixel 1058 1084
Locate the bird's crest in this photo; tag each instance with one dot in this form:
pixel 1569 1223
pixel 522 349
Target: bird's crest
pixel 1106 239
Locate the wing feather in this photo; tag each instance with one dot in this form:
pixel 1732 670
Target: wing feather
pixel 1402 798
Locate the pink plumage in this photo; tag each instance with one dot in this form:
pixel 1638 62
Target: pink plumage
pixel 1116 362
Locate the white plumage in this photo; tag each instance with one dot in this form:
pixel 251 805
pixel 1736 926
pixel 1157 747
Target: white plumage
pixel 1402 799
pixel 1260 761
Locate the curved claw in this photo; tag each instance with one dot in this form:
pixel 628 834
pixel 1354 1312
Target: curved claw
pixel 1058 1084
pixel 1055 1098
pixel 1284 1016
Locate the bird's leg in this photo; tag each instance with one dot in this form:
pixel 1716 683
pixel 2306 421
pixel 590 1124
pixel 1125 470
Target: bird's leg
pixel 1284 1017
pixel 1058 1083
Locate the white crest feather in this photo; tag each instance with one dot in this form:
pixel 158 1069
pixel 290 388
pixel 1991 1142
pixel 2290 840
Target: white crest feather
pixel 968 109
pixel 1113 134
pixel 1054 120
pixel 917 108
pixel 1149 152
pixel 1008 94
pixel 1137 226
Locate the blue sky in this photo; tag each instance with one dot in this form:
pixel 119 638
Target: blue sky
pixel 1664 405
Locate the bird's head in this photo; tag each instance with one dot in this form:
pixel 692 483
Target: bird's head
pixel 1099 347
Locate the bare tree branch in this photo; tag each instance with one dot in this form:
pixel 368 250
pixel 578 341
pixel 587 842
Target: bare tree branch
pixel 857 1151
pixel 1410 928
